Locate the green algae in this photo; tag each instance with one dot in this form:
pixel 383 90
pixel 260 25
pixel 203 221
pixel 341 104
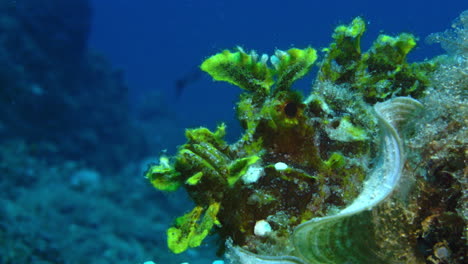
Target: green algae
pixel 326 140
pixel 379 73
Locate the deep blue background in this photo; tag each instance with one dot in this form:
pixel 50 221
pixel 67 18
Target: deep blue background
pixel 157 42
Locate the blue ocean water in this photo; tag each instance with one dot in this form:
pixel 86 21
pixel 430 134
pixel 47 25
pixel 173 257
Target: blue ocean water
pixel 92 91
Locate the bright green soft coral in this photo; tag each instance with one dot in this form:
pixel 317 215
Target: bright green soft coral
pixel 163 176
pixel 190 230
pixel 241 69
pixel 379 73
pixel 326 140
pixel 252 73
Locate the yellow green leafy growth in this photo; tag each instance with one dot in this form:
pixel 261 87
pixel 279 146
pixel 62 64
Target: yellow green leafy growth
pixel 239 167
pixel 299 157
pixel 379 73
pixel 163 176
pixel 190 231
pixel 353 30
pixel 241 69
pixel 292 65
pixel 252 73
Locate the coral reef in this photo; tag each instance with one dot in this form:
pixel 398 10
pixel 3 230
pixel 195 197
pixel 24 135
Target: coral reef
pixel 249 182
pixel 58 94
pixel 438 154
pixel 299 184
pixel 46 218
pixel 320 177
pixel 71 189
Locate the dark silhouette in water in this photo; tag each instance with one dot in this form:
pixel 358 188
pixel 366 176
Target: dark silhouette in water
pixel 187 79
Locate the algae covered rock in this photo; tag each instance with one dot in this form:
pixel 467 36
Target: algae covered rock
pixel 315 179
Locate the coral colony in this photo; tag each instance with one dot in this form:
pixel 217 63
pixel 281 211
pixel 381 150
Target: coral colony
pixel 315 179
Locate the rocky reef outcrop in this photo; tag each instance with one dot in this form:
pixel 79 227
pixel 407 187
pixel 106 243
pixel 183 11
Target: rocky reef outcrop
pixel 58 95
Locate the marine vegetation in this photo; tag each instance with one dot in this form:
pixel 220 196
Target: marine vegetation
pixel 313 179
